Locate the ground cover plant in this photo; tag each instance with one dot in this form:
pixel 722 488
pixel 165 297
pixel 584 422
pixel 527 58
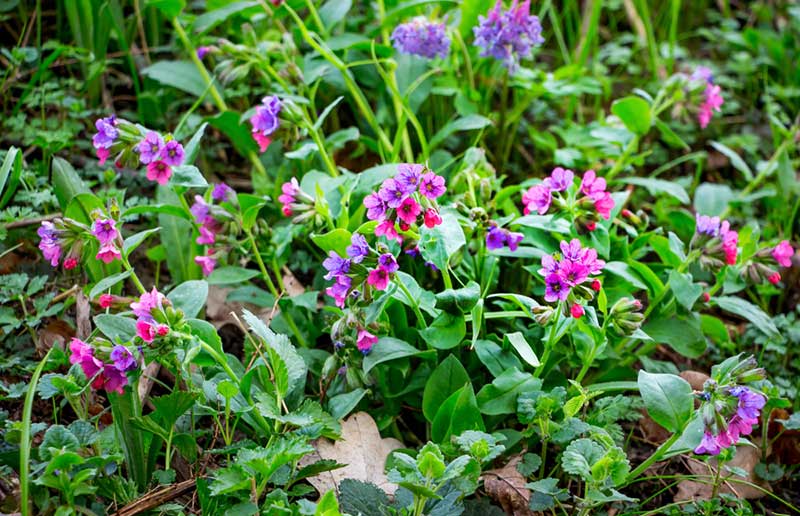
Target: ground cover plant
pixel 399 257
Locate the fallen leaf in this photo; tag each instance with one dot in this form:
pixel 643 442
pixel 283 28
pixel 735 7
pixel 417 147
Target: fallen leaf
pixel 292 284
pixel 83 314
pixel 746 459
pixel 361 448
pixel 506 486
pixel 695 378
pixel 56 333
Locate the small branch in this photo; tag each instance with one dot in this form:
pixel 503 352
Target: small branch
pixel 30 222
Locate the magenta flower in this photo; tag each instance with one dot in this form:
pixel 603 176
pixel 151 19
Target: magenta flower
pixel 783 253
pixel 537 199
pixel 560 179
pixel 388 262
pixel 102 156
pixel 150 147
pixel 123 359
pixel 50 244
pixel 172 154
pixel 200 210
pixel 365 341
pixel 207 263
pixel 207 237
pixel 576 311
pixel 222 192
pixel 591 185
pixel 338 291
pixel 408 177
pixel 730 242
pixel 145 330
pixel 107 132
pixel 262 141
pixel 358 248
pixel 108 253
pixel 378 278
pixel 159 171
pixel 335 265
pixel 409 210
pixel 432 218
pixel 513 239
pixel 376 206
pixel 83 354
pixel 105 300
pixel 147 302
pixel 114 380
pixel 573 273
pixel 265 121
pixel 556 289
pixel 422 37
pixel 387 229
pixel 432 185
pixel 105 230
pixel 604 204
pixel 708 445
pixel 713 102
pixel 392 193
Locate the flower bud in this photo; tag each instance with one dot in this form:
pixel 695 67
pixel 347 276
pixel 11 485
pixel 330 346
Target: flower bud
pixel 543 314
pixel 576 311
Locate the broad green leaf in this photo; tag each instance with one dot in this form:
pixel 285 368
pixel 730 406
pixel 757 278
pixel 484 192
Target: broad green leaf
pixel 336 240
pixel 681 333
pixel 334 11
pixel 116 327
pixel 189 296
pixel 210 19
pixel 686 291
pixel 448 377
pixel 106 283
pixel 750 312
pixel 496 359
pixel 177 235
pixel 229 122
pixel 231 274
pixel 736 161
pixel 446 331
pixel 342 404
pixel 192 148
pixel 386 349
pixel 500 397
pixel 66 182
pixel 635 114
pixel 458 413
pixel 182 75
pixel 187 175
pixel 466 123
pixel 461 299
pixel 438 245
pixel 169 8
pixel 657 186
pixel 668 399
pixel 712 199
pixel 133 241
pixel 169 408
pixel 518 342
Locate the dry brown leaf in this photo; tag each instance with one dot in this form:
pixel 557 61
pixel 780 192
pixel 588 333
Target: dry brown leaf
pixel 56 333
pixel 506 486
pixel 746 458
pixel 695 378
pixel 363 450
pixel 292 284
pixel 83 315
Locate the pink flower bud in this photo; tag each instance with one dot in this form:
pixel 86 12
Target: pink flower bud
pixel 577 311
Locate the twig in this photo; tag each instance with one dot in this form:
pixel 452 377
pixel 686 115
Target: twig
pixel 31 222
pixel 156 497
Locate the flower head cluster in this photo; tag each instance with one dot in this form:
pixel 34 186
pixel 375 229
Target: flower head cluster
pixel 209 218
pixel 111 375
pixel 406 199
pixel 105 230
pixel 508 35
pixel 160 156
pixel 51 243
pixel 294 201
pixel 558 189
pixel 265 121
pixel 498 238
pixel 106 136
pixel 762 265
pixel 565 273
pixel 720 240
pixel 712 95
pixel 422 37
pixel 146 309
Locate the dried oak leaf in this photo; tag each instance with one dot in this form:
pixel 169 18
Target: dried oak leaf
pixel 56 333
pixel 695 378
pixel 361 448
pixel 506 486
pixel 746 459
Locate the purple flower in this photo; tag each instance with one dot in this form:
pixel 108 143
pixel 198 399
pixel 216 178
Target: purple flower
pixel 147 302
pixel 358 248
pixel 107 132
pixel 549 265
pixel 376 207
pixel 556 289
pixel 200 210
pixel 571 250
pixel 574 273
pixel 392 193
pixel 222 192
pixel 105 230
pixel 122 358
pixel 335 265
pixel 537 199
pixel 432 185
pixel 495 238
pixel 707 225
pixel 388 263
pixel 172 153
pixel 408 177
pixel 560 179
pixel 422 37
pixel 202 52
pixel 702 73
pixel 265 121
pixel 149 147
pixel 508 35
pixel 513 240
pixel 339 289
pixel 49 244
pixel 750 403
pixel 113 379
pixel 708 445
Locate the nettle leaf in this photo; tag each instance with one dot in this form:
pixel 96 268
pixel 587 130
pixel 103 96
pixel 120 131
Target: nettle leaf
pixel 668 399
pixel 357 497
pixel 545 493
pixel 172 406
pixel 579 456
pixel 448 377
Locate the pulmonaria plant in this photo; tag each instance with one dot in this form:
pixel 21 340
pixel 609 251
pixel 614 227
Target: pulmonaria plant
pixel 587 202
pixel 719 242
pixel 67 238
pixel 498 238
pixel 266 121
pixel 422 37
pixel 151 318
pixel 508 35
pixel 110 375
pixel 730 409
pixel 712 96
pixel 405 200
pixel 566 275
pixel 212 220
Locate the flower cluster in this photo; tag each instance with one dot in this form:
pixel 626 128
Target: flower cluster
pixel 51 244
pixel 105 230
pixel 265 121
pixel 508 36
pixel 762 267
pixel 724 242
pixel 160 156
pixel 422 37
pixel 208 216
pixel 107 134
pixel 405 198
pixel 61 234
pixel 712 96
pixel 110 376
pixel 146 309
pixel 294 201
pixel 558 189
pixel 565 273
pixel 497 238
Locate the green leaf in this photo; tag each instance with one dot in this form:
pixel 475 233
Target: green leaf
pixel 736 161
pixel 169 408
pixel 681 333
pixel 342 404
pixel 446 331
pixel 134 241
pixel 386 349
pixel 669 136
pixel 169 209
pixel 437 245
pixel 635 114
pixel 357 497
pixel 749 311
pixel 496 359
pixel 337 240
pixel 712 199
pixel 686 292
pixel 189 296
pixel 668 399
pixel 466 123
pixel 210 19
pixel 461 299
pixel 193 147
pixel 177 235
pixel 457 414
pixel 169 8
pixel 469 15
pixel 448 377
pixel 189 176
pixel 66 182
pixel 231 274
pixel 518 342
pixel 500 397
pixel 116 327
pixel 57 438
pixel 579 457
pixel 334 11
pixel 229 122
pixel 106 283
pixel 10 172
pixel 182 75
pixel 657 186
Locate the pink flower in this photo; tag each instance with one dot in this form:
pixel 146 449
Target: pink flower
pixel 207 237
pixel 162 330
pixel 113 379
pixel 432 218
pixel 105 230
pixel 783 253
pixel 83 354
pixel 108 253
pixel 387 229
pixel 147 302
pixel 537 198
pixel 102 156
pixel 365 341
pixel 713 102
pixel 105 300
pixel 708 445
pixel 207 263
pixel 145 330
pixel 262 141
pixel 577 311
pixel 70 263
pixel 592 185
pixel 159 172
pixel 730 242
pixel 408 210
pixel 774 278
pixel 378 278
pixel 604 204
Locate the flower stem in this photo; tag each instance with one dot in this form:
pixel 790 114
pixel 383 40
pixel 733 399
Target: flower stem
pixel 413 301
pixel 548 346
pixel 654 457
pixel 260 261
